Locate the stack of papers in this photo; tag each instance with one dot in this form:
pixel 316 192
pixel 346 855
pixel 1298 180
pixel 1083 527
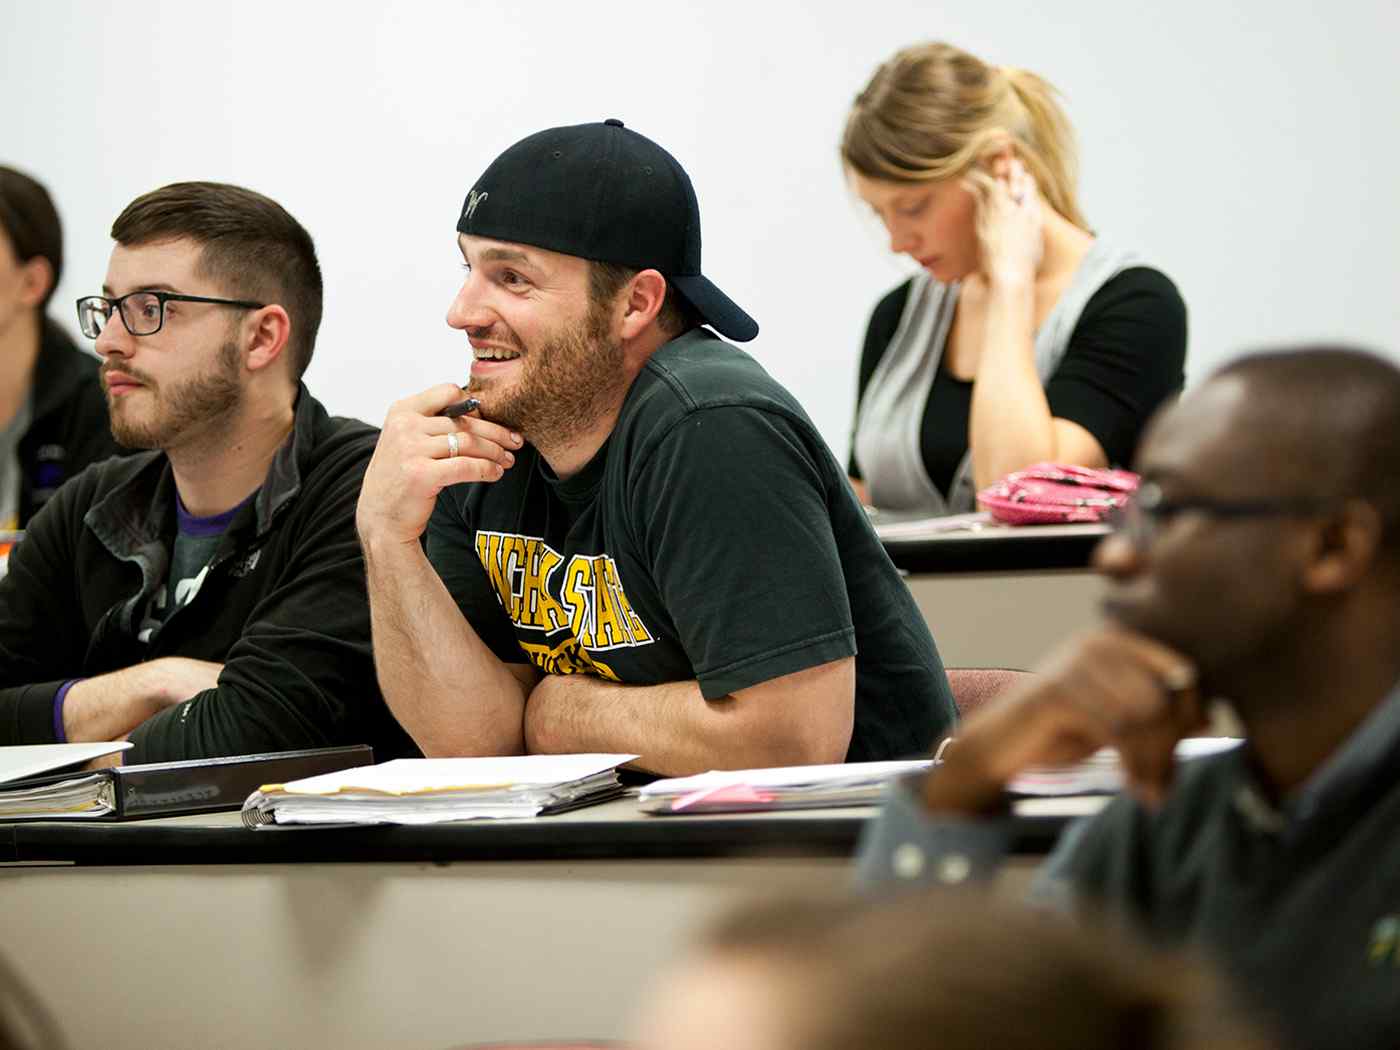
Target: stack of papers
pixel 863 783
pixel 73 798
pixel 81 797
pixel 785 787
pixel 437 790
pixel 1102 773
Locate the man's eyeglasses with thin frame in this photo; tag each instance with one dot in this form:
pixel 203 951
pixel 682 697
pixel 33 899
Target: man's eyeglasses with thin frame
pixel 143 313
pixel 1148 510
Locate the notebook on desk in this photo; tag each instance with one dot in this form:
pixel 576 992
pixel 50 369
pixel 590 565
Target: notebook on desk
pixel 781 787
pixel 440 790
pixel 161 789
pixel 864 783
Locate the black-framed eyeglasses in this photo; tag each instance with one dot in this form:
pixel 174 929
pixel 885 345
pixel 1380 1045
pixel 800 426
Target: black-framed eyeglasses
pixel 1148 510
pixel 143 313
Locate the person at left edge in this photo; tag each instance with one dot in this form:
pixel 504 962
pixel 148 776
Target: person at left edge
pixel 53 416
pixel 204 597
pixel 643 545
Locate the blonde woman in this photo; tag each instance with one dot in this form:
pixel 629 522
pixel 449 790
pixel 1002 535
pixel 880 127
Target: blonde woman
pixel 1025 336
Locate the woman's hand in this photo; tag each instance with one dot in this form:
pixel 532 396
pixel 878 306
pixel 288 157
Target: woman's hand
pixel 1010 224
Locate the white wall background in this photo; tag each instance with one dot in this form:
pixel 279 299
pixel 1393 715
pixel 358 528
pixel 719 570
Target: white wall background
pixel 1249 148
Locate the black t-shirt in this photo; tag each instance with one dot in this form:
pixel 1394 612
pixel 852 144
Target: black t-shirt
pixel 712 538
pixel 1126 356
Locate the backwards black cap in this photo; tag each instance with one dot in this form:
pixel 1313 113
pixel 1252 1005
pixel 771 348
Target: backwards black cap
pixel 602 192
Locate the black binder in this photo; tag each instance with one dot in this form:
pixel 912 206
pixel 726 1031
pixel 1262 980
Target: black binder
pixel 167 789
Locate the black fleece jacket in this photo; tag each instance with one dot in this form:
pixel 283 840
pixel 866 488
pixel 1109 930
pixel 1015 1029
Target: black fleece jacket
pixel 283 606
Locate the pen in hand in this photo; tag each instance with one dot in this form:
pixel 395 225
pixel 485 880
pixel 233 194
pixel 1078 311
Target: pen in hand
pixel 461 408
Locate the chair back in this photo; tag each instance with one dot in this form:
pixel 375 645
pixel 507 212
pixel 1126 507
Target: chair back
pixel 974 686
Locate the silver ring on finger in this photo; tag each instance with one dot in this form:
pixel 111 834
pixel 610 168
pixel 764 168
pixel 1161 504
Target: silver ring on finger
pixel 453 445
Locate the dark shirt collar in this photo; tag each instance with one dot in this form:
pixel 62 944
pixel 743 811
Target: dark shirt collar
pixel 1369 753
pixel 578 488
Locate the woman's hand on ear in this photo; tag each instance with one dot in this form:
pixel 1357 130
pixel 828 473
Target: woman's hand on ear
pixel 1010 224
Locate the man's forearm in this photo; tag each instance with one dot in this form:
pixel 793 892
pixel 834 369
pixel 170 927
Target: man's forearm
pixel 799 719
pixel 112 705
pixel 446 688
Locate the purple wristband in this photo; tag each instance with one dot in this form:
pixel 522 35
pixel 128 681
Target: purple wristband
pixel 58 698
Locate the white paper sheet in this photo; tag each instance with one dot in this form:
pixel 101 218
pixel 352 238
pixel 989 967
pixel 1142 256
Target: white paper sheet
pixel 426 776
pixel 30 760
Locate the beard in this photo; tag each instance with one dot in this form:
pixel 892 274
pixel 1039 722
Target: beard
pixel 565 384
pixel 181 409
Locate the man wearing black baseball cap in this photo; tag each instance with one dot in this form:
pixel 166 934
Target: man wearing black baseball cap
pixel 636 541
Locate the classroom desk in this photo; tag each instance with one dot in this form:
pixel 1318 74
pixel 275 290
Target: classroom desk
pixel 1002 597
pixel 194 932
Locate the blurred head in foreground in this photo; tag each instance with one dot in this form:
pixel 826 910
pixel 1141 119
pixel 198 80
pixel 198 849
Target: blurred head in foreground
pixel 25 1023
pixel 948 971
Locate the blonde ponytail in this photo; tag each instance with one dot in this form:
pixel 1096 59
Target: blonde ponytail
pixel 1050 155
pixel 933 111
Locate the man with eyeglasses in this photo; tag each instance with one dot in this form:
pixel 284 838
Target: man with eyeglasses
pixel 204 597
pixel 1260 564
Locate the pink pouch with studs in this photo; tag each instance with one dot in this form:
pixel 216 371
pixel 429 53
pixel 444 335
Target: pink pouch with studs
pixel 1056 494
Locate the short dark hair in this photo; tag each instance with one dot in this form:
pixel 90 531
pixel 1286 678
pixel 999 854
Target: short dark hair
pixel 1341 407
pixel 676 315
pixel 31 222
pixel 250 244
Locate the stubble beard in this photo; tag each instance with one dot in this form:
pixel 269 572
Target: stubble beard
pixel 565 385
pixel 189 406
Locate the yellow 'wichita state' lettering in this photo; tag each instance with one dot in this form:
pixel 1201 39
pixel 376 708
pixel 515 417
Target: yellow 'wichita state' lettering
pixel 592 606
pixel 578 580
pixel 600 615
pixel 632 623
pixel 608 629
pixel 519 568
pixel 488 549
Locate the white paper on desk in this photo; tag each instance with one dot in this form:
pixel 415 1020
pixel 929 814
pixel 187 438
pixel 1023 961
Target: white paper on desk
pixel 30 760
pixel 435 790
pixel 779 787
pixel 894 526
pixel 1102 773
pixel 418 776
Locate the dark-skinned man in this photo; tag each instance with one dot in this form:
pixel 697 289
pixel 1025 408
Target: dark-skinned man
pixel 1260 564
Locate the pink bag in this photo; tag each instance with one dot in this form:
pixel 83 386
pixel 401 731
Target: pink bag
pixel 1054 493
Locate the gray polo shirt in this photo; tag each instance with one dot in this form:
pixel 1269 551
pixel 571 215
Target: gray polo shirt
pixel 1299 901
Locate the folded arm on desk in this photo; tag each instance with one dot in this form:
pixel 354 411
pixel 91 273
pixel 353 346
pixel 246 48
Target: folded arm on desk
pixel 45 692
pixel 796 719
pixel 110 706
pixel 300 673
pixel 446 687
